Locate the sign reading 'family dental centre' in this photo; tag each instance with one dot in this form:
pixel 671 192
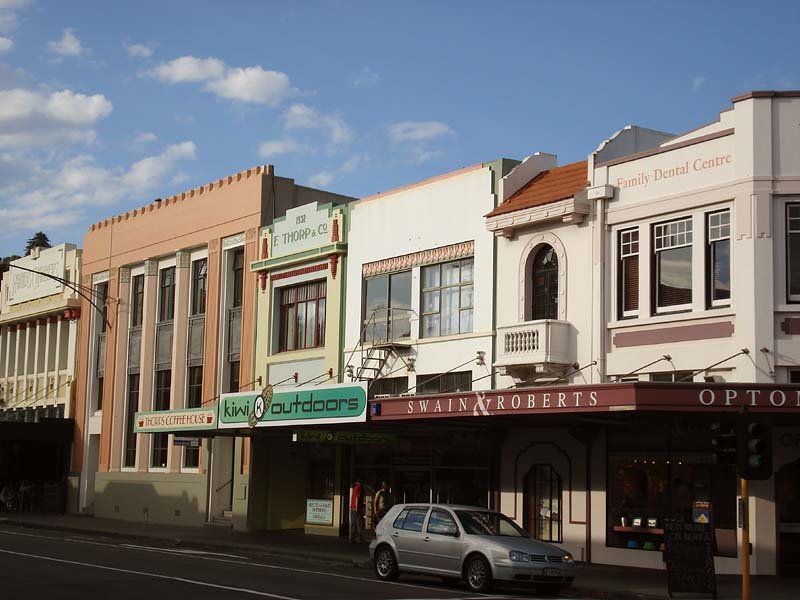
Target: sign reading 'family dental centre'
pixel 609 398
pixel 312 405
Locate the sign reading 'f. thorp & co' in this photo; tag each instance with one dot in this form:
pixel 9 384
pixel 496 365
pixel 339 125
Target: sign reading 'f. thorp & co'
pixel 606 397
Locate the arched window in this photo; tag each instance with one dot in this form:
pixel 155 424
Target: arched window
pixel 545 284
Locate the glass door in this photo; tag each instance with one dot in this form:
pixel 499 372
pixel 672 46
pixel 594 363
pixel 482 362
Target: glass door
pixel 412 485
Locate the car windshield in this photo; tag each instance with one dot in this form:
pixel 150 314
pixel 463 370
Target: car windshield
pixel 484 522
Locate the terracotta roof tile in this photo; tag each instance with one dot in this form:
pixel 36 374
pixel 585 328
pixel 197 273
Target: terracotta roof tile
pixel 548 186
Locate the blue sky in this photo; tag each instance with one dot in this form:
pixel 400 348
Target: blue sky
pixel 107 105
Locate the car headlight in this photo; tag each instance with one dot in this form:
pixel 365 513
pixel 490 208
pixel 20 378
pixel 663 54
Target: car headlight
pixel 516 556
pixel 568 558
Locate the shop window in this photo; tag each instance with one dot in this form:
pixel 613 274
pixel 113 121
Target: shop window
pixel 673 265
pixel 545 284
pixel 322 472
pixel 130 418
pixel 718 257
pixel 302 316
pixel 654 475
pixel 628 273
pixel 447 294
pixel 443 383
pixel 793 252
pixel 387 308
pixel 388 386
pixel 161 401
pixel 441 523
pixel 673 377
pixel 543 489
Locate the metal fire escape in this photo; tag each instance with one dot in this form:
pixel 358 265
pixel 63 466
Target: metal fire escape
pixel 383 337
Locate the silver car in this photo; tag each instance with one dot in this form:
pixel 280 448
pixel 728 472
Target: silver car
pixel 477 545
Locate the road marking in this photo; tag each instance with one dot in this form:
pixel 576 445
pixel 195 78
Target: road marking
pixel 153 575
pixel 249 563
pixel 183 551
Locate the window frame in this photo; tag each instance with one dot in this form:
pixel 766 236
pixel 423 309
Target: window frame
pixel 551 308
pixel 790 298
pixel 625 251
pixel 320 303
pixel 710 254
pixel 159 388
pixel 438 289
pixel 390 319
pixel 656 250
pixel 166 298
pixel 199 287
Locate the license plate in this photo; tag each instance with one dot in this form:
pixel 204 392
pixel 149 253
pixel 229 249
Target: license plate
pixel 551 572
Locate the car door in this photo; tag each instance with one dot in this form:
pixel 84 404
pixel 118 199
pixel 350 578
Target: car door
pixel 442 542
pixel 407 535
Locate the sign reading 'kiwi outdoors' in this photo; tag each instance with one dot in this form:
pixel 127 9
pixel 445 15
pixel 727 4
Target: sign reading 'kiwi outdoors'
pixel 689 554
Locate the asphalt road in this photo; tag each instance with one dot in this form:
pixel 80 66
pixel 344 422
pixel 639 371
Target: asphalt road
pixel 52 565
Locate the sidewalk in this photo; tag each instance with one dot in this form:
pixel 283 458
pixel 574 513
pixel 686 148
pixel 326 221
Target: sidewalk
pixel 596 580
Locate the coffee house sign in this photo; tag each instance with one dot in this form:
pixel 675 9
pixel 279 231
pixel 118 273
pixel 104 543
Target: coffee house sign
pixel 649 397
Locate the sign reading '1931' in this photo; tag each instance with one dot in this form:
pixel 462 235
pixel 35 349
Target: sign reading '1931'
pixel 304 228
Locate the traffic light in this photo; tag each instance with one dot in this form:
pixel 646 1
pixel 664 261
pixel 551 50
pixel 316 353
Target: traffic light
pixel 754 448
pixel 724 443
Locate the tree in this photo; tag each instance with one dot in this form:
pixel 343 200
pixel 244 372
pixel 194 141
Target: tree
pixel 39 239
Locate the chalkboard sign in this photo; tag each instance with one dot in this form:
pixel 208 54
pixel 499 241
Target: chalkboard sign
pixel 689 554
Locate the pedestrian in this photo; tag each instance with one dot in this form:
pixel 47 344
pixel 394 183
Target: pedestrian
pixel 380 504
pixel 356 512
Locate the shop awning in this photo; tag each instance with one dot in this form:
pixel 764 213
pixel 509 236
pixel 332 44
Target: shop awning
pixel 45 430
pixel 601 398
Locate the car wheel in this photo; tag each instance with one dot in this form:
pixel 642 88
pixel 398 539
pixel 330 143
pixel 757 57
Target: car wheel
pixel 385 564
pixel 478 574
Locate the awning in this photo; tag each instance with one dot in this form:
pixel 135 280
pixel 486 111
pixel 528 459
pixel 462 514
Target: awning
pixel 608 397
pixel 45 430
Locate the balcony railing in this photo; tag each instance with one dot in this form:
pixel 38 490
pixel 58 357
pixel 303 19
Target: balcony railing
pixel 545 342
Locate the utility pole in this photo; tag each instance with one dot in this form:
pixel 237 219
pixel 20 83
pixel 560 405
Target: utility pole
pixel 744 507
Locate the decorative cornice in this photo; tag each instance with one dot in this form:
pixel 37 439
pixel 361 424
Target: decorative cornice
pixel 183 259
pixel 303 271
pixel 99 277
pixel 425 257
pixel 178 198
pixel 571 210
pixel 151 268
pixel 232 241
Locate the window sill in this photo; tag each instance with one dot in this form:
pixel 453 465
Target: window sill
pixel 157 470
pixel 722 311
pixel 190 470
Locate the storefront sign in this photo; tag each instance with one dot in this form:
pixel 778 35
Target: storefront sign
pixel 319 512
pixel 188 419
pixel 186 442
pixel 343 437
pixel 303 228
pixel 689 557
pixel 607 397
pixel 24 285
pixel 312 405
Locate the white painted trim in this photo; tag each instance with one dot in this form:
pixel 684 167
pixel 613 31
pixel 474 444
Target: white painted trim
pixel 165 263
pixel 198 254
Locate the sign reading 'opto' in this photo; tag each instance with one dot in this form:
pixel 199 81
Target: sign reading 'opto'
pixel 312 405
pixel 189 419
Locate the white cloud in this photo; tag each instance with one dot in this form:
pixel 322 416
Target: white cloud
pixel 6 44
pixel 301 116
pixel 140 50
pixel 68 45
pixel 417 131
pixel 365 78
pixel 272 148
pixel 30 118
pixel 143 139
pixel 54 198
pixel 8 13
pixel 252 84
pixel 188 69
pixel 327 176
pixel 697 82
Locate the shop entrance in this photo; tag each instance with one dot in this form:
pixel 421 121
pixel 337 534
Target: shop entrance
pixel 787 498
pixel 412 485
pixel 542 499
